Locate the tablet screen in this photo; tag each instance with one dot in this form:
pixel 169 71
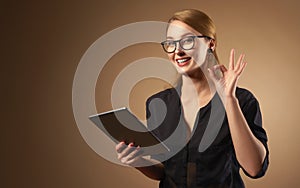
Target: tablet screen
pixel 122 125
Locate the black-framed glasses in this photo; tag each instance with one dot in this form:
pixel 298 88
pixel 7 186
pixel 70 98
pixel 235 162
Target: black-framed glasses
pixel 185 43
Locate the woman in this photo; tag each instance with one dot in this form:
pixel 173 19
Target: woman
pixel 205 89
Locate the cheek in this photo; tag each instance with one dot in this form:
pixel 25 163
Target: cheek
pixel 171 57
pixel 199 55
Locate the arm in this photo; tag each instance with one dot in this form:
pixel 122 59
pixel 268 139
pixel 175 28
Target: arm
pixel 154 170
pixel 130 155
pixel 250 152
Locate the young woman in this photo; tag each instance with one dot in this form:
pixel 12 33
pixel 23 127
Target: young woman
pixel 193 113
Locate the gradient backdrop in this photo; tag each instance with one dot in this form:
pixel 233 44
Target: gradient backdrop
pixel 43 42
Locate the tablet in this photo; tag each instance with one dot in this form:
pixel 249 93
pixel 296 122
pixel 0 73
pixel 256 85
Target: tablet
pixel 122 125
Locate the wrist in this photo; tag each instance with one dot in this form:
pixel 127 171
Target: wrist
pixel 229 101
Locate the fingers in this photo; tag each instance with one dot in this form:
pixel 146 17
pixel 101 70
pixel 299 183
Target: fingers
pixel 240 65
pixel 120 147
pixel 125 151
pixel 128 154
pixel 239 62
pixel 223 68
pixel 231 59
pixel 241 68
pixel 131 157
pixel 216 72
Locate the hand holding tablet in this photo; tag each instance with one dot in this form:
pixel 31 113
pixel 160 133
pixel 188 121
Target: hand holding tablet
pixel 121 125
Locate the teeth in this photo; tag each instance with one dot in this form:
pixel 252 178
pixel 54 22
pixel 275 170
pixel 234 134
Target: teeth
pixel 182 60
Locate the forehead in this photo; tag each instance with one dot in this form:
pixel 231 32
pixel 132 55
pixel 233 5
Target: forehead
pixel 178 29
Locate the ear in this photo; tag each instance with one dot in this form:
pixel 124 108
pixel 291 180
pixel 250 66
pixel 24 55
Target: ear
pixel 212 45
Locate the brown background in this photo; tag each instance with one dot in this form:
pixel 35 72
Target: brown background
pixel 43 42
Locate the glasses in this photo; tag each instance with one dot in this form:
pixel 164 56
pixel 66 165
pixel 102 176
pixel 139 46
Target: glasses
pixel 185 43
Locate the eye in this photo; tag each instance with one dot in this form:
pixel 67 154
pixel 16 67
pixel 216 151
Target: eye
pixel 169 43
pixel 187 43
pixel 187 40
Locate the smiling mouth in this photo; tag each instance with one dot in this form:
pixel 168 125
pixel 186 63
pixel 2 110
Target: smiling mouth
pixel 183 61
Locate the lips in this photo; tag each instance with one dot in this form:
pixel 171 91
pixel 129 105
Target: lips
pixel 183 61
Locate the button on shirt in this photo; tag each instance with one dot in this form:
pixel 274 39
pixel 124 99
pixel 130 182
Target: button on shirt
pixel 206 158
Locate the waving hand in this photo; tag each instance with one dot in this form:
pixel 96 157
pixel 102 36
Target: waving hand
pixel 226 84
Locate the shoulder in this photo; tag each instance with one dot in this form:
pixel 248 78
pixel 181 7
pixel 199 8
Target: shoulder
pixel 164 95
pixel 157 102
pixel 244 95
pixel 247 99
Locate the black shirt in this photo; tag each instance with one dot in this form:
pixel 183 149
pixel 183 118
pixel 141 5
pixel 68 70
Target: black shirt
pixel 214 166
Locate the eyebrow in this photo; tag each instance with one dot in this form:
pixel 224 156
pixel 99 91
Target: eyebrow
pixel 184 35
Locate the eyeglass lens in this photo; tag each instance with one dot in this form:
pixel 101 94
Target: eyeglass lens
pixel 186 43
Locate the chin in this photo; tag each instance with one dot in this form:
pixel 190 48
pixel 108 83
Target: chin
pixel 186 71
pixel 191 71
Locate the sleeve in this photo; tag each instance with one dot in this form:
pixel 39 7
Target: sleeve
pixel 252 113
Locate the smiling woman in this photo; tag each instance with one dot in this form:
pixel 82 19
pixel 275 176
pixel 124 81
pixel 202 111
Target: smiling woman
pixel 239 142
pixel 192 48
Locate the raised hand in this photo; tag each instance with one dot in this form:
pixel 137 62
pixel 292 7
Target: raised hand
pixel 226 84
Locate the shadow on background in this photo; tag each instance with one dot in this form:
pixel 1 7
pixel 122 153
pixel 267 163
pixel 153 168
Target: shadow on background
pixel 43 42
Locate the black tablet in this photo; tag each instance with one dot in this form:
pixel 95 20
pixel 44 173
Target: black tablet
pixel 122 125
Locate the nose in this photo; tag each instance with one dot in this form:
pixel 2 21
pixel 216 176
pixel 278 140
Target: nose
pixel 179 51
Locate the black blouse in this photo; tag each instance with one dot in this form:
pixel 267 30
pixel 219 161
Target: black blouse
pixel 214 163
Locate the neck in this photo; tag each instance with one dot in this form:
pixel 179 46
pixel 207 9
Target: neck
pixel 197 86
pixel 197 82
